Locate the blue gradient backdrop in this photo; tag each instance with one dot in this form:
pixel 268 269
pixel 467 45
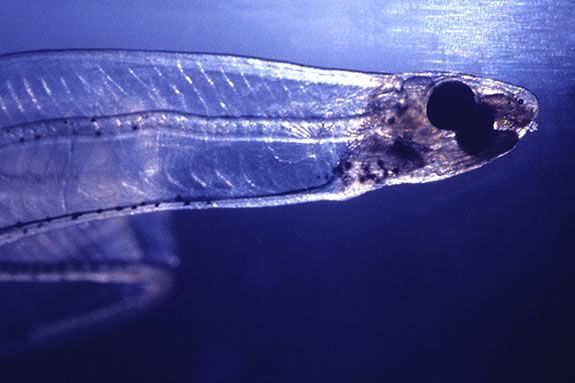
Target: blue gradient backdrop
pixel 467 280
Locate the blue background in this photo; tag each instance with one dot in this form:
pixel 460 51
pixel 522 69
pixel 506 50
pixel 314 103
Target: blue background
pixel 469 279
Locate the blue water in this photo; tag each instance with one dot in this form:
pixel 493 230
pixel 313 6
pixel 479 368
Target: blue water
pixel 469 279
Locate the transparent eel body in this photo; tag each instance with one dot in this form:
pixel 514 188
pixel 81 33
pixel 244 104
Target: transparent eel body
pixel 89 139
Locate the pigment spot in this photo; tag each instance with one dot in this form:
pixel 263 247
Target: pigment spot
pixel 404 151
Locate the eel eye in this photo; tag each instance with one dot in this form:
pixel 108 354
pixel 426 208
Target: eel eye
pixel 450 105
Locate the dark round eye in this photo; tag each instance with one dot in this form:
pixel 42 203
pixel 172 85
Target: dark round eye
pixel 450 105
pixel 520 101
pixel 477 134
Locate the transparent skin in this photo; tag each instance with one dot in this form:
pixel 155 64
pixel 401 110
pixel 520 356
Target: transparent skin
pixel 89 136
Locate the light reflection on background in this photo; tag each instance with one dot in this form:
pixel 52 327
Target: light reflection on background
pixel 491 37
pixel 467 280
